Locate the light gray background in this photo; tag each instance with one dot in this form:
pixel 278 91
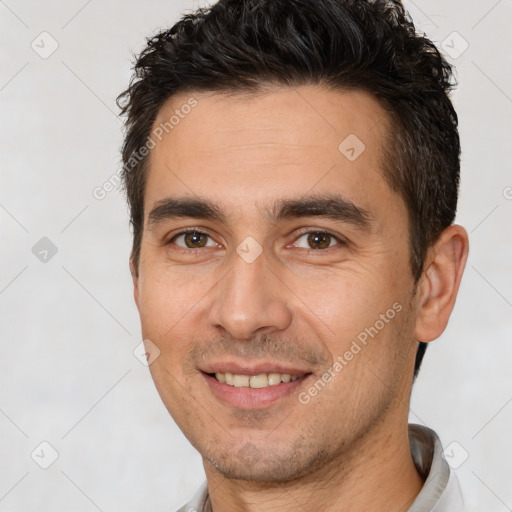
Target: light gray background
pixel 69 325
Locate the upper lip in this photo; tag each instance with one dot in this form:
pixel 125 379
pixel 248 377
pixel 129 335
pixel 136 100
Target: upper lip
pixel 252 368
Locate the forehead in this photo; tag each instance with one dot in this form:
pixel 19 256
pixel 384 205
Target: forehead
pixel 247 149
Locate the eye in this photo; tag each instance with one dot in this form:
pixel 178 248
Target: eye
pixel 315 240
pixel 192 239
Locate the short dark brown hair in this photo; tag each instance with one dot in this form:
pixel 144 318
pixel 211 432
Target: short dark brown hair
pixel 246 45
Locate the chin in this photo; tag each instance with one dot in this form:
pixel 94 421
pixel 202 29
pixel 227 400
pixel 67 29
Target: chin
pixel 252 464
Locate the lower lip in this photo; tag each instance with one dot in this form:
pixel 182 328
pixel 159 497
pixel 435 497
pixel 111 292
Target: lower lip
pixel 252 398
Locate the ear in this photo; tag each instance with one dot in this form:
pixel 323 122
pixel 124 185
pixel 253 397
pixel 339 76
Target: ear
pixel 135 279
pixel 439 283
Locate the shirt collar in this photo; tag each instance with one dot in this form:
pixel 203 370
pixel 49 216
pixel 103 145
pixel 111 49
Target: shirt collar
pixel 441 490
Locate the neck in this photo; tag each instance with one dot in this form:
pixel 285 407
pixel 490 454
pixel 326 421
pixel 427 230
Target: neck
pixel 377 473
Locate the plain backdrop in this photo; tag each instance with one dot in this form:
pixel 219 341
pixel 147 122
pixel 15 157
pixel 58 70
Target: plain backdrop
pixel 69 326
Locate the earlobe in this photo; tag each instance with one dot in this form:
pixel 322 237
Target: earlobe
pixel 440 282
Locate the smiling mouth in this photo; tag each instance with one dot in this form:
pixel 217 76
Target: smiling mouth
pixel 262 380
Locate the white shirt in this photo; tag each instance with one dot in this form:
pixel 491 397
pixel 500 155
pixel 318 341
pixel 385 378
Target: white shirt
pixel 440 492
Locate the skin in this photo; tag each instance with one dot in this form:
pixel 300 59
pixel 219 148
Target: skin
pixel 348 446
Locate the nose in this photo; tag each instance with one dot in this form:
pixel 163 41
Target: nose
pixel 250 299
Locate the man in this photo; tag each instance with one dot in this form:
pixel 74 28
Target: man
pixel 292 169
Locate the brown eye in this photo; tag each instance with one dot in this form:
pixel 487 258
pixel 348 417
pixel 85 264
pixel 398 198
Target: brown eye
pixel 314 240
pixel 191 240
pixel 195 239
pixel 319 240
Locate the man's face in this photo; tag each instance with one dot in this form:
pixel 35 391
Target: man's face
pixel 269 283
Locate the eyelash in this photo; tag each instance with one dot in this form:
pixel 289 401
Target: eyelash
pixel 307 231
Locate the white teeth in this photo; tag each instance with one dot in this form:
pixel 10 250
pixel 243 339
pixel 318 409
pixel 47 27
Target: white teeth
pixel 274 379
pixel 255 381
pixel 241 381
pixel 258 381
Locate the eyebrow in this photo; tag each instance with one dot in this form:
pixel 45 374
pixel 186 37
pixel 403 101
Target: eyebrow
pixel 331 206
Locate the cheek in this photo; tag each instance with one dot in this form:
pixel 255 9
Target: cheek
pixel 345 302
pixel 367 321
pixel 166 299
